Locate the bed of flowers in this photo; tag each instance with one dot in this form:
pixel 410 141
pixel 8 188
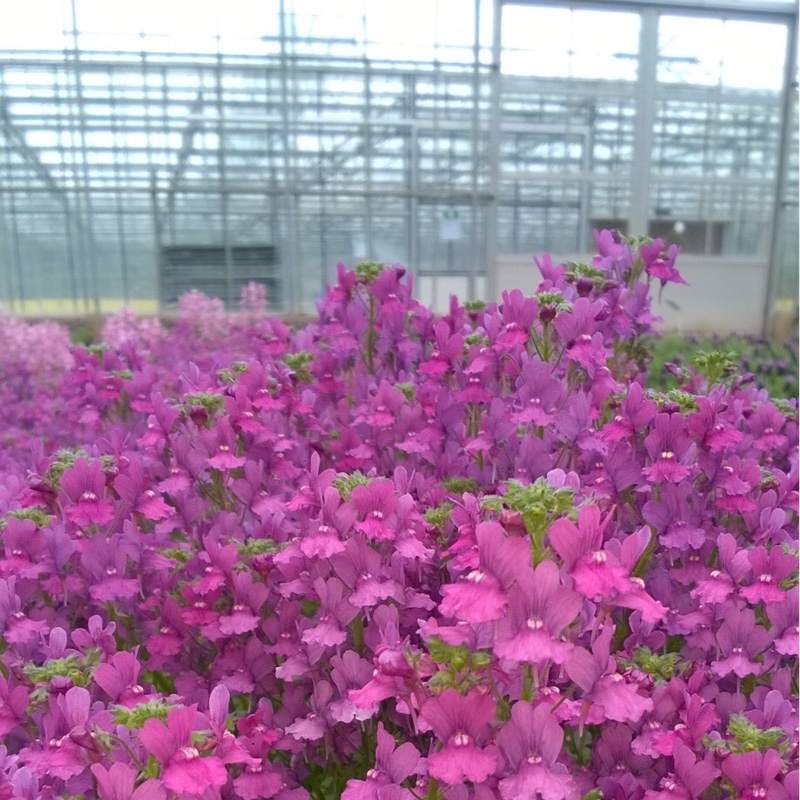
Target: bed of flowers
pixel 391 555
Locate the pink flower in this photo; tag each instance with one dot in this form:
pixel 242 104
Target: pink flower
pixel 461 723
pixel 183 768
pixel 118 781
pixel 84 483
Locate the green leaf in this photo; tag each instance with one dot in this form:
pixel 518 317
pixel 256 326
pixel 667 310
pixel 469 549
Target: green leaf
pixel 345 482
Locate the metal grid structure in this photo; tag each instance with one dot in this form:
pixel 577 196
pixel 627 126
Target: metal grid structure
pixel 438 135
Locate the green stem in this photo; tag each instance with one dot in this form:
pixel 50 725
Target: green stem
pixel 371 337
pixel 357 629
pixel 527 684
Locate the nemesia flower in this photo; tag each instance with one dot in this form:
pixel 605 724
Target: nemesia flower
pixel 530 743
pixel 611 695
pixel 539 610
pixel 460 722
pixel 754 775
pixel 393 765
pixel 118 782
pixel 84 484
pixel 482 595
pixel 740 640
pixel 184 770
pixel 376 503
pixel 596 572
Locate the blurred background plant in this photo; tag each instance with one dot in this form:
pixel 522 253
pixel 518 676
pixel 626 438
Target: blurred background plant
pixel 773 364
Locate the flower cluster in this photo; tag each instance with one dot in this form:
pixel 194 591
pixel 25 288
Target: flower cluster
pixel 391 556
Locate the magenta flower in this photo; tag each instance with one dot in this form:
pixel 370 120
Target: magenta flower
pixel 17 627
pixel 769 569
pixel 689 779
pixel 335 614
pixel 481 596
pixel 13 705
pixel 393 765
pixel 184 770
pixel 118 782
pixel 740 640
pixel 326 535
pixel 754 775
pixel 248 598
pixel 360 569
pixel 461 723
pixel 612 696
pixel 783 619
pixel 530 743
pixel 671 450
pixel 635 415
pixel 722 582
pixel 84 483
pixel 597 573
pixel 376 503
pixel 659 261
pixel 539 610
pixel 119 678
pixel 132 486
pixel 24 546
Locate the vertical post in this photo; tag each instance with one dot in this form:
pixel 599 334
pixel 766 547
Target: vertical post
pixel 782 168
pixel 413 176
pixel 587 167
pixel 367 134
pixel 223 188
pixel 162 299
pixel 475 265
pixel 639 216
pixel 290 265
pixel 495 109
pixel 89 223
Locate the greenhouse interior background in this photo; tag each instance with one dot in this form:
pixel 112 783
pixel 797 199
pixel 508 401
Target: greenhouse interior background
pixel 152 147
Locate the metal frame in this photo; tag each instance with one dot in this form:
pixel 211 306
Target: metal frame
pixel 105 157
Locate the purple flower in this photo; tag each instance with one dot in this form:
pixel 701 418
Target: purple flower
pixel 482 594
pixel 671 450
pixel 689 779
pixel 84 483
pixel 184 770
pixel 118 781
pixel 334 615
pixel 740 640
pixel 119 678
pixel 596 572
pixel 460 722
pixel 754 775
pixel 530 743
pixel 376 503
pixel 539 610
pixel 769 569
pixel 611 695
pixel 393 765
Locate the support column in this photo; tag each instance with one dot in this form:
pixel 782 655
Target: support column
pixel 782 169
pixel 638 216
pixel 495 109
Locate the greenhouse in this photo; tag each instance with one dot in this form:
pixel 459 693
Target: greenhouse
pixel 400 400
pixel 149 148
